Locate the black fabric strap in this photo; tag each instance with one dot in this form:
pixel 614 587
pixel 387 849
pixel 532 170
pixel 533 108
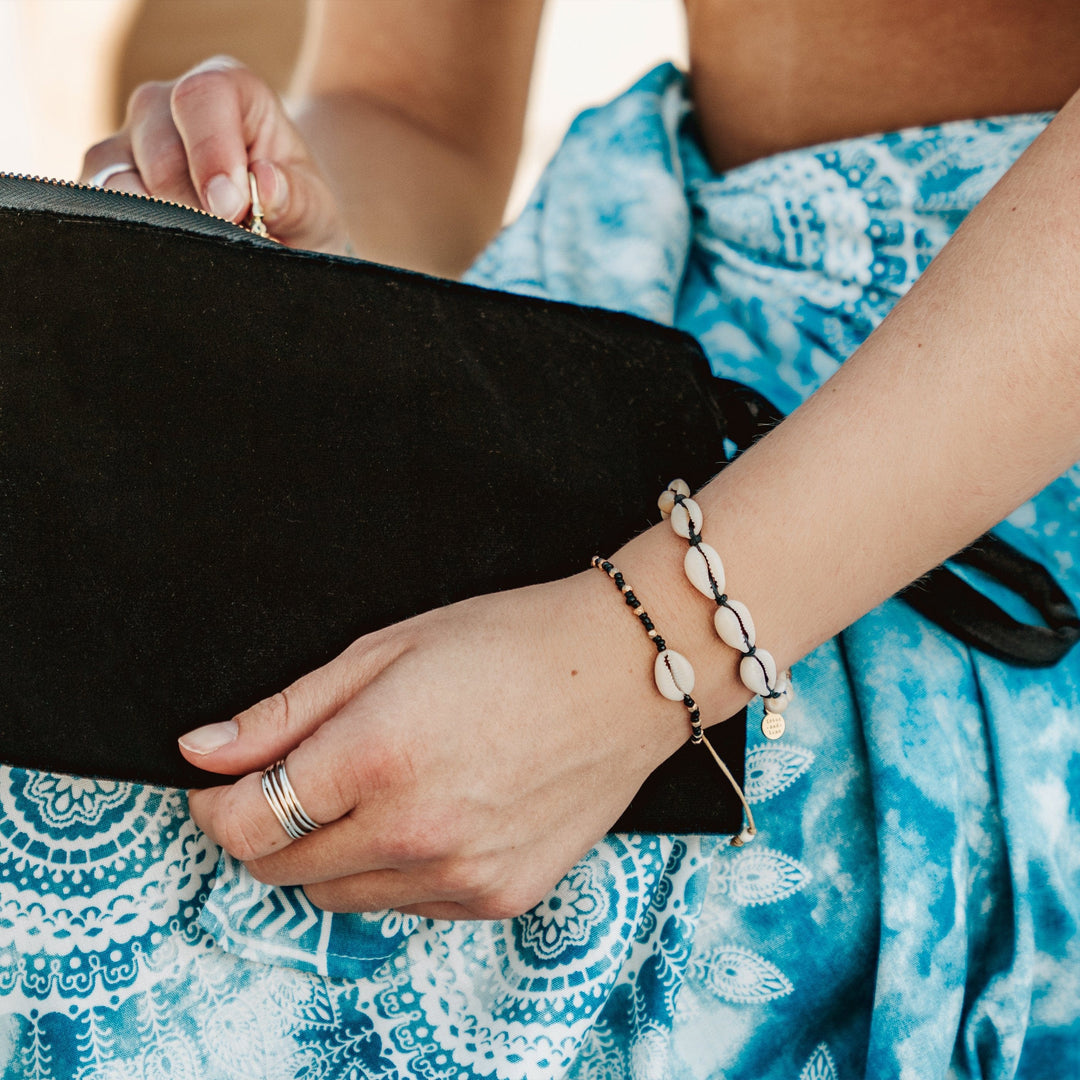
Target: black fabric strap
pixel 959 607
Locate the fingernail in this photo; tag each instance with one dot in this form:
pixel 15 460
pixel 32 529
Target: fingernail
pixel 280 190
pixel 205 740
pixel 224 198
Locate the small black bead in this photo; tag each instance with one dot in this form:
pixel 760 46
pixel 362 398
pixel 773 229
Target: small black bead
pixel 660 643
pixel 688 701
pixel 631 599
pixel 646 621
pixel 606 567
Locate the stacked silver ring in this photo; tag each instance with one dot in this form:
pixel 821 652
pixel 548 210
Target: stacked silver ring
pixel 283 801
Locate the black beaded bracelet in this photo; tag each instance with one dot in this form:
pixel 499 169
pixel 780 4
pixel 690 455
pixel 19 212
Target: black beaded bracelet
pixel 673 673
pixel 674 676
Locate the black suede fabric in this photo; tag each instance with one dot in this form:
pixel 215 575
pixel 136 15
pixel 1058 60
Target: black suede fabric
pixel 222 462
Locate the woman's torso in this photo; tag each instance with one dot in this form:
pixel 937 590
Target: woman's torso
pixel 771 75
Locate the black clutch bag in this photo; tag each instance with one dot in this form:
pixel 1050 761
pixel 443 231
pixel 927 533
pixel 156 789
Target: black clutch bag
pixel 223 460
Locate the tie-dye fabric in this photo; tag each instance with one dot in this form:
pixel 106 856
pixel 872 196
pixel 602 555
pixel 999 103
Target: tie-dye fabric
pixel 910 907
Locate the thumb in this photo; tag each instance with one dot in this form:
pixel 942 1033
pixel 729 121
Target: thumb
pixel 274 726
pixel 299 209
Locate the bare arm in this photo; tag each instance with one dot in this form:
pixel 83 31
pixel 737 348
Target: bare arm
pixel 471 767
pixel 414 111
pixel 963 404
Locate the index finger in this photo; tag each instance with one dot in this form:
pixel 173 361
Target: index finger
pixel 215 108
pixel 241 817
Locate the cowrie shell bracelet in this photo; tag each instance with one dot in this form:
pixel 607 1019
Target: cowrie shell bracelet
pixel 734 626
pixel 674 677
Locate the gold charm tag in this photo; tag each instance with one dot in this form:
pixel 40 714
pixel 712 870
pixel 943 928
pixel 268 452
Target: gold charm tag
pixel 773 725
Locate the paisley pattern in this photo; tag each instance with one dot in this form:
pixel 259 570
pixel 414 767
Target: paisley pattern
pixel 772 769
pixel 736 974
pixel 820 1066
pixel 911 904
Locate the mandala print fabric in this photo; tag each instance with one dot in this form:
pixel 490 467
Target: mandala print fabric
pixel 910 907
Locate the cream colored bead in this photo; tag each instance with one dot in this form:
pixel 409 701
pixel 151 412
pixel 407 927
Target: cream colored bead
pixel 700 562
pixel 734 625
pixel 758 672
pixel 674 675
pixel 686 518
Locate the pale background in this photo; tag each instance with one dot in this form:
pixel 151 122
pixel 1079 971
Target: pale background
pixel 55 98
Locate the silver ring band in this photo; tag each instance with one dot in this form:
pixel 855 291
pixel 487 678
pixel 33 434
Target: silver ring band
pixel 103 176
pixel 283 801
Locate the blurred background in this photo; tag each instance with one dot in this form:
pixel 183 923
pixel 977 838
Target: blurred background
pixel 67 66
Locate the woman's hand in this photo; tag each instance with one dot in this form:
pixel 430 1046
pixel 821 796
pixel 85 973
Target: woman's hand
pixel 194 140
pixel 462 760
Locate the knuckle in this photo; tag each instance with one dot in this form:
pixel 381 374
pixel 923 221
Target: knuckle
pixel 379 768
pixel 167 167
pixel 328 897
pixel 101 150
pixel 102 154
pixel 272 715
pixel 505 903
pixel 260 872
pixel 201 84
pixel 459 879
pixel 419 841
pixel 146 98
pixel 240 833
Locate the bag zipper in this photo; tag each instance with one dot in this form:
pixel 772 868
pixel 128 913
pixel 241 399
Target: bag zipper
pixel 19 191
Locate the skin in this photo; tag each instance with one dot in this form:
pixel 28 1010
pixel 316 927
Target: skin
pixel 466 758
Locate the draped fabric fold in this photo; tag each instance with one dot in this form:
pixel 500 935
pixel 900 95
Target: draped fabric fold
pixel 911 905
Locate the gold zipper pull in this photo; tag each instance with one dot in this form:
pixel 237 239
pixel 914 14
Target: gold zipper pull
pixel 254 223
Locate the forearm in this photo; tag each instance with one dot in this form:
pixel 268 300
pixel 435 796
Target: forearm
pixel 411 198
pixel 964 403
pixel 415 110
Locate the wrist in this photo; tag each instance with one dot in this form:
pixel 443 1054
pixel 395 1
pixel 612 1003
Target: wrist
pixel 653 562
pixel 613 659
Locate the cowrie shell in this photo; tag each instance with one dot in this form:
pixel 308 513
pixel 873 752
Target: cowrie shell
pixel 666 502
pixel 786 691
pixel 758 672
pixel 700 562
pixel 674 675
pixel 734 625
pixel 686 518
